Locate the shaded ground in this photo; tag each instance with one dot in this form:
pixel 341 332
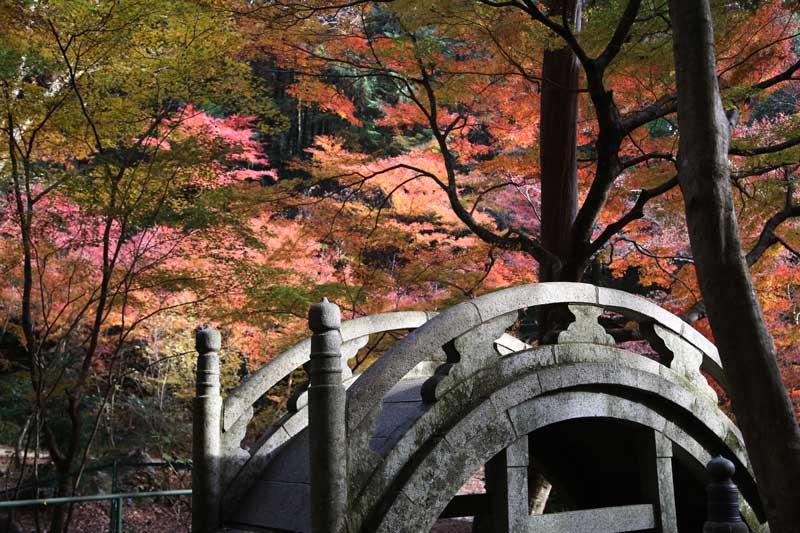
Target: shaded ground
pixel 173 515
pixel 93 517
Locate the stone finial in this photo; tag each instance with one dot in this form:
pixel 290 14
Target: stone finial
pixel 723 499
pixel 207 339
pixel 721 469
pixel 206 424
pixel 327 446
pixel 324 316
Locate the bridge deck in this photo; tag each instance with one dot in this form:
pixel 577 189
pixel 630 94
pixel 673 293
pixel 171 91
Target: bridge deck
pixel 279 500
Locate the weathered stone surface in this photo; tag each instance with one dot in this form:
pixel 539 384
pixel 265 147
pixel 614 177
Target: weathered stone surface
pixel 459 319
pixel 253 469
pixel 206 423
pixel 466 355
pixel 349 350
pixel 397 417
pixel 644 311
pixel 291 462
pixel 585 328
pixel 516 392
pixel 484 422
pixel 606 520
pixel 284 506
pixel 426 451
pixel 407 390
pixel 450 464
pixel 526 362
pixel 644 374
pixel 207 339
pixel 684 358
pixel 424 344
pixel 655 463
pixel 257 384
pixel 233 456
pixel 450 460
pixel 327 449
pixel 524 296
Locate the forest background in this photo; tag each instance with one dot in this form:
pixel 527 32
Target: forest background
pixel 171 163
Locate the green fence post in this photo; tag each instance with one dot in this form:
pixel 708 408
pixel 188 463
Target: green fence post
pixel 120 504
pixel 112 508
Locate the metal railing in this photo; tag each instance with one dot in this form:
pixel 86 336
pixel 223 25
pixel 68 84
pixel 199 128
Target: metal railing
pixel 117 502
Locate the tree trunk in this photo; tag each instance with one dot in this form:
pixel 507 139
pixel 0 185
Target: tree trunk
pixel 558 120
pixel 760 402
pixel 557 146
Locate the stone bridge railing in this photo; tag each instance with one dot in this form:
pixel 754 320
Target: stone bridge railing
pixel 223 422
pixel 460 339
pixel 682 348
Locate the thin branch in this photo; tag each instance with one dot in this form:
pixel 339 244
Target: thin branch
pixel 636 212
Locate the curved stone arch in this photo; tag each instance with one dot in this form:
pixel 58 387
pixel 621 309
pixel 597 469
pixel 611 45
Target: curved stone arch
pixel 491 428
pixel 239 400
pixel 545 370
pixel 243 467
pixel 426 342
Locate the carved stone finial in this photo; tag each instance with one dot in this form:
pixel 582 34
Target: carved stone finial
pixel 327 448
pixel 207 339
pixel 207 421
pixel 324 316
pixel 723 499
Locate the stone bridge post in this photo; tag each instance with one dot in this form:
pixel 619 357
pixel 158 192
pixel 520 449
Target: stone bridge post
pixel 326 421
pixel 206 428
pixel 723 499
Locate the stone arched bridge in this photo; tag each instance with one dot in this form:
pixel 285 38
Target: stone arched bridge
pixel 622 436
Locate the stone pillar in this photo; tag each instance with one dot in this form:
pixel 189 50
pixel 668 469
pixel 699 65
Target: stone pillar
pixel 655 459
pixel 723 499
pixel 326 421
pixel 206 433
pixel 507 488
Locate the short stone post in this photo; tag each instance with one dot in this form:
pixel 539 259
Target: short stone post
pixel 206 426
pixel 326 421
pixel 723 499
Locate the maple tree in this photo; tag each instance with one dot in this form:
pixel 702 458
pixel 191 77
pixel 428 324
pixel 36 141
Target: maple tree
pixel 234 161
pixel 104 165
pixel 465 83
pixel 746 347
pixel 459 85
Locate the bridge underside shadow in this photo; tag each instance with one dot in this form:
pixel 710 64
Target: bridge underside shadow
pixel 597 463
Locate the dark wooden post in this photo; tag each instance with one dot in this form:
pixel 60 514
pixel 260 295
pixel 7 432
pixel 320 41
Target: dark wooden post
pixel 326 421
pixel 206 427
pixel 723 499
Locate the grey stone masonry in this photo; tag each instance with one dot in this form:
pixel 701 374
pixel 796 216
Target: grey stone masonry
pixel 326 421
pixel 206 433
pixel 656 469
pixel 387 450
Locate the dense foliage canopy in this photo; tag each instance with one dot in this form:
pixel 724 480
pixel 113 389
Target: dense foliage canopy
pixel 165 163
